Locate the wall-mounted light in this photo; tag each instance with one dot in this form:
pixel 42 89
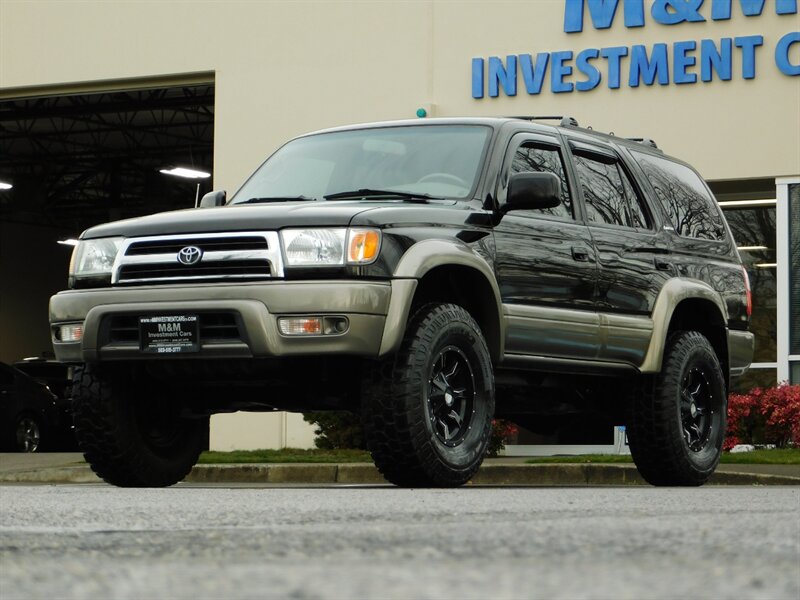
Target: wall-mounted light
pixel 5 186
pixel 186 173
pixel 747 203
pixel 766 265
pixel 68 242
pixel 753 248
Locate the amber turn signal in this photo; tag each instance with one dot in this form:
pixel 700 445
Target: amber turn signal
pixel 363 245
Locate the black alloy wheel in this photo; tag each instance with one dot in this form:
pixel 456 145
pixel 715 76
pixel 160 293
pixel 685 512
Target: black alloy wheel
pixel 676 422
pixel 427 411
pixel 697 409
pixel 451 396
pixel 28 434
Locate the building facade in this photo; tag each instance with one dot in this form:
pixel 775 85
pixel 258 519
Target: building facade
pixel 714 82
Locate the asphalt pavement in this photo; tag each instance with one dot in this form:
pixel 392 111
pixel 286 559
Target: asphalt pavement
pixel 71 468
pixel 209 541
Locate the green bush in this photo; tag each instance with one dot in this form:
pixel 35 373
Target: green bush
pixel 336 430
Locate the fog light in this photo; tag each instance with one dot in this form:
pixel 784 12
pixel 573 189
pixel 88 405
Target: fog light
pixel 300 326
pixel 70 333
pixel 309 325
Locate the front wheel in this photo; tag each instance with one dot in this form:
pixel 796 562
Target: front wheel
pixel 427 411
pixel 676 425
pixel 133 434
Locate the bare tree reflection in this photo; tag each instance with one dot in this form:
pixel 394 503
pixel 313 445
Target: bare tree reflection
pixel 689 206
pixel 530 158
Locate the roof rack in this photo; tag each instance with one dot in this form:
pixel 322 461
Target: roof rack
pixel 646 142
pixel 563 121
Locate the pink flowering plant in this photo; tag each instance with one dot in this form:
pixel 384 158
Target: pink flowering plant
pixel 502 432
pixel 764 416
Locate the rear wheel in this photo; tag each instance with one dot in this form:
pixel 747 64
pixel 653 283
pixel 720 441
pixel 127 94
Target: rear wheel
pixel 131 434
pixel 676 426
pixel 427 411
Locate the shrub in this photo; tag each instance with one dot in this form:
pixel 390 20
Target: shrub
pixel 764 416
pixel 336 430
pixel 502 431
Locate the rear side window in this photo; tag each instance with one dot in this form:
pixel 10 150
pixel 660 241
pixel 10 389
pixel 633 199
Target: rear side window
pixel 690 207
pixel 609 195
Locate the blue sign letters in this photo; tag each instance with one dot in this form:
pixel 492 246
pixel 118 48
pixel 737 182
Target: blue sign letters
pixel 683 62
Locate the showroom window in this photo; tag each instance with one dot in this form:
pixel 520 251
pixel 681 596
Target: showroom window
pixel 793 193
pixel 753 226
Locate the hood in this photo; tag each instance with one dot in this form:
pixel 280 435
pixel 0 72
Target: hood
pixel 235 217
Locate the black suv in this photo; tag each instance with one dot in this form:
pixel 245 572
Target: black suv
pixel 428 275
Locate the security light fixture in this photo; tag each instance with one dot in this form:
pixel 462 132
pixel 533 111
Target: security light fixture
pixel 5 186
pixel 186 173
pixel 753 248
pixel 766 265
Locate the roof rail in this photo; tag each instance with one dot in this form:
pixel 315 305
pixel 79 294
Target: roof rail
pixel 646 142
pixel 563 121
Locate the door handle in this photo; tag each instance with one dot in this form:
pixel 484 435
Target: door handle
pixel 579 253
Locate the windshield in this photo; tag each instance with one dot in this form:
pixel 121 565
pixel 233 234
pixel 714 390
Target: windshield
pixel 441 161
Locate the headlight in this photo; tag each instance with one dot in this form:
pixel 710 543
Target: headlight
pixel 330 247
pixel 94 258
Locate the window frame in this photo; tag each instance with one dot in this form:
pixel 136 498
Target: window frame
pixel 547 142
pixel 609 155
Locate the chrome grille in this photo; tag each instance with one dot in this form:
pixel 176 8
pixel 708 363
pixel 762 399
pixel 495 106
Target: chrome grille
pixel 240 256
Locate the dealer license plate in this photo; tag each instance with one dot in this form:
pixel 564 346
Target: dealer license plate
pixel 171 334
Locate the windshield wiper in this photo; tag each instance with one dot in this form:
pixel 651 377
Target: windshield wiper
pixel 274 199
pixel 370 193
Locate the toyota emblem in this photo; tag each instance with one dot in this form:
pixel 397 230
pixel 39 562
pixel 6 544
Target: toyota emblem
pixel 190 255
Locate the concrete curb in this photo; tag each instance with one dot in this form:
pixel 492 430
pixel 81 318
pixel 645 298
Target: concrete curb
pixel 367 474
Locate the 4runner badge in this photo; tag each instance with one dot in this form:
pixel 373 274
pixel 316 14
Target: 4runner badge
pixel 190 255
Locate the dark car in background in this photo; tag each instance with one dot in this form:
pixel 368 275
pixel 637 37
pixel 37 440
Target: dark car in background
pixel 34 407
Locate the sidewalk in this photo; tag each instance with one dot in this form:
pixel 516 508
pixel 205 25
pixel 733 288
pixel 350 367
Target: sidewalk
pixel 71 468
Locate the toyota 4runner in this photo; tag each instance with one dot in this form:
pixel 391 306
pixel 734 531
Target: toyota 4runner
pixel 428 275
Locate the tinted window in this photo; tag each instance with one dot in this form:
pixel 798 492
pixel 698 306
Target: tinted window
pixel 532 158
pixel 691 209
pixel 608 193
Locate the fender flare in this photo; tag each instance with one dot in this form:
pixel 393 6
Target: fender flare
pixel 674 292
pixel 418 260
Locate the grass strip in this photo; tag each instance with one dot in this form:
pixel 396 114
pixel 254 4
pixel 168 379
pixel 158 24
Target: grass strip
pixel 287 455
pixel 782 456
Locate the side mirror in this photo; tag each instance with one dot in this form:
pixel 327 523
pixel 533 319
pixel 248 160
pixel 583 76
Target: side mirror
pixel 212 199
pixel 528 191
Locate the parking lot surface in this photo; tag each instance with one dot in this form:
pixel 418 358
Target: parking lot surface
pixel 190 541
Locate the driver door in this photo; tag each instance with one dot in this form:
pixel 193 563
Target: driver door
pixel 546 263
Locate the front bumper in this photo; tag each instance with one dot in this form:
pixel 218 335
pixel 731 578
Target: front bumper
pixel 254 309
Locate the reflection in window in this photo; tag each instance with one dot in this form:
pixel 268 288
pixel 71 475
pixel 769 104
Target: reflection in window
pixel 532 159
pixel 608 194
pixel 691 209
pixel 754 232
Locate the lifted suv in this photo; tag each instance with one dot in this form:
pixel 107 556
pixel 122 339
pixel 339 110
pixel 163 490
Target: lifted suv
pixel 428 275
